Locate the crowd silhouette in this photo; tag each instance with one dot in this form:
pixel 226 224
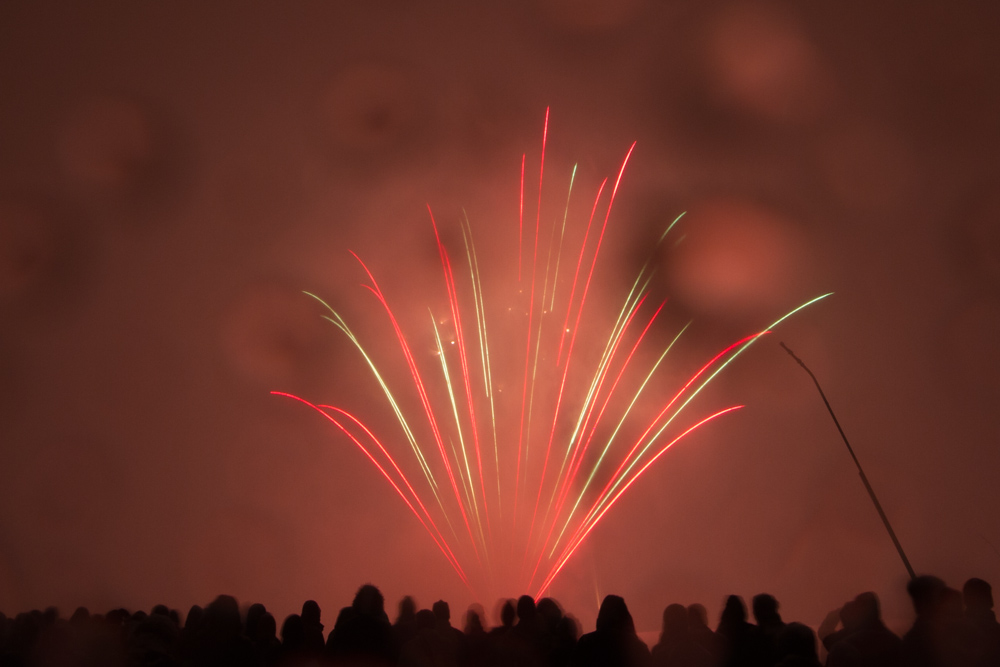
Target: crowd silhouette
pixel 951 629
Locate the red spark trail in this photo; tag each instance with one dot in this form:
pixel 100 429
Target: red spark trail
pixel 574 445
pixel 575 543
pixel 625 461
pixel 567 484
pixel 441 543
pixel 579 312
pixel 521 437
pixel 563 488
pixel 576 273
pixel 460 339
pixel 673 400
pixel 422 392
pixel 597 250
pixel 520 221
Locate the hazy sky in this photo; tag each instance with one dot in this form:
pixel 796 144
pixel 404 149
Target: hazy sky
pixel 173 176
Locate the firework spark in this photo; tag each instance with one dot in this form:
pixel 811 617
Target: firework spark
pixel 508 490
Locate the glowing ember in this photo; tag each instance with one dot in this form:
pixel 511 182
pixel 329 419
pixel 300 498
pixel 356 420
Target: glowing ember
pixel 509 489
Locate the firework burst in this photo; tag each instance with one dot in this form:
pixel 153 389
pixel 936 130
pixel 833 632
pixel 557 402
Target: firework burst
pixel 533 415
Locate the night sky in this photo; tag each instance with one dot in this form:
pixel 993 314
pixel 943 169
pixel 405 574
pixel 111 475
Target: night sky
pixel 174 175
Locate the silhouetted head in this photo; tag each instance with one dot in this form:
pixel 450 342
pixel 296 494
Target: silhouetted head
pixel 797 640
pixel 194 617
pixel 614 617
pixel 507 614
pixel 157 628
pixel 293 632
pixel 568 628
pixel 116 617
pixel 867 608
pixel 426 620
pixel 368 601
pixel 675 620
pixel 254 613
pixel 345 617
pixel 407 610
pixel 526 608
pixel 442 612
pixel 925 591
pixel 549 612
pixel 978 595
pixel 80 615
pixel 850 615
pixel 266 627
pixel 222 617
pixel 23 630
pixel 311 612
pixel 473 622
pixel 161 610
pixel 698 614
pixel 735 610
pixel 765 609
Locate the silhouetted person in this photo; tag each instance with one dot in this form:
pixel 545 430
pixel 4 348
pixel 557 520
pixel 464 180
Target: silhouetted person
pixel 867 642
pixel 977 596
pixel 405 625
pixel 678 647
pixel 426 647
pixel 504 647
pixel 94 642
pixel 161 610
pixel 699 630
pixel 919 642
pixel 117 617
pixel 797 646
pixel 50 616
pixel 476 640
pixel 765 613
pixel 526 635
pixel 508 614
pixel 837 625
pixel 192 635
pixel 362 631
pixel 528 628
pixel 614 642
pixel 940 635
pixel 312 628
pixel 293 645
pixel 265 640
pixel 79 641
pixel 959 641
pixel 155 641
pixel 224 643
pixel 452 639
pixel 745 645
pixel 52 642
pixel 559 633
pixel 474 621
pixel 254 612
pixel 23 633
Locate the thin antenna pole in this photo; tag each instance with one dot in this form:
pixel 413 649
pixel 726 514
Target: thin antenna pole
pixel 864 478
